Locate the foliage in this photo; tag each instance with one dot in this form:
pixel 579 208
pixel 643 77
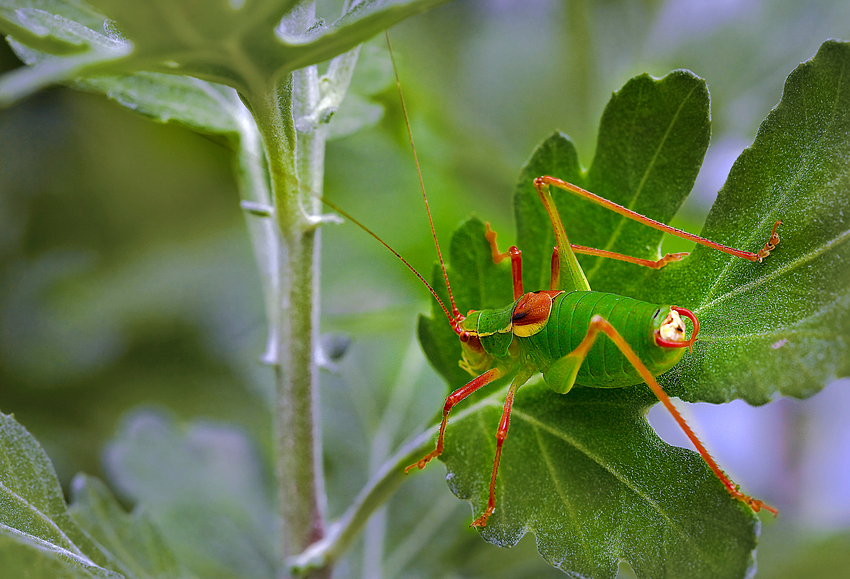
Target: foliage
pixel 162 315
pixel 583 471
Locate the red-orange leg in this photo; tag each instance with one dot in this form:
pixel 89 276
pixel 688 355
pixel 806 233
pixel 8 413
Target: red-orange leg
pixel 501 435
pixel 600 324
pixel 516 260
pixel 748 255
pixel 654 264
pixel 657 264
pixel 451 401
pixel 555 275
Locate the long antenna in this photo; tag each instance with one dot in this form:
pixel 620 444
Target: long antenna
pixel 455 313
pixel 348 216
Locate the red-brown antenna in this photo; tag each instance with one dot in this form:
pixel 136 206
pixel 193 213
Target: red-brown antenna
pixel 452 320
pixel 455 318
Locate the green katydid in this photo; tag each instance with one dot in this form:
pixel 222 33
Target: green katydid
pixel 555 331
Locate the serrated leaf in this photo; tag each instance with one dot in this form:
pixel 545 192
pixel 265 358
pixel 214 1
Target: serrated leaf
pixel 652 139
pixel 589 477
pixel 204 489
pixel 36 531
pixel 585 473
pixel 477 282
pixel 135 546
pixel 782 326
pixel 579 463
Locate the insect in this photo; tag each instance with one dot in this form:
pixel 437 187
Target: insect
pixel 535 332
pixel 561 331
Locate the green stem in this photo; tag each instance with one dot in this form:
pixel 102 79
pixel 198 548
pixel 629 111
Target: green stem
pixel 300 478
pixel 296 167
pixel 380 487
pixel 376 492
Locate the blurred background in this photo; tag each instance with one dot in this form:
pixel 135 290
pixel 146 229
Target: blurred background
pixel 127 279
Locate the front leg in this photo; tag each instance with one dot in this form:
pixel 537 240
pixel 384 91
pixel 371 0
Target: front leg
pixel 451 401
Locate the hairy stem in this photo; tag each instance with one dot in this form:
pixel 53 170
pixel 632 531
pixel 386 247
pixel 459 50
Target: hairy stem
pixel 300 478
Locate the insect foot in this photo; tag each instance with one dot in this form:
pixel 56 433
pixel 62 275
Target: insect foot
pixel 481 521
pixel 771 243
pixel 755 504
pixel 422 461
pixel 669 258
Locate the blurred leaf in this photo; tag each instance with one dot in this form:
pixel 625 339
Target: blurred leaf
pixel 70 31
pixel 29 558
pixel 240 46
pixel 136 548
pixel 200 105
pixel 56 27
pixel 353 114
pixel 36 532
pixel 205 490
pixel 800 555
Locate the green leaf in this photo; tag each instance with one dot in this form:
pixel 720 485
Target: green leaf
pixel 477 283
pixel 584 471
pixel 589 477
pixel 139 551
pixel 248 46
pixel 59 27
pixel 360 23
pixel 28 558
pixel 59 40
pixel 200 105
pixel 354 114
pixel 205 489
pixel 652 140
pixel 36 532
pixel 782 326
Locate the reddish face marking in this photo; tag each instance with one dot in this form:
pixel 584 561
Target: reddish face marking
pixel 665 343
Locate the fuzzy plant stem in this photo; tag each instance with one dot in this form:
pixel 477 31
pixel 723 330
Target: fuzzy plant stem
pixel 300 480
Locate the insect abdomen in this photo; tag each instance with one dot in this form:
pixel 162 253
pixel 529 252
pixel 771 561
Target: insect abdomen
pixel 605 366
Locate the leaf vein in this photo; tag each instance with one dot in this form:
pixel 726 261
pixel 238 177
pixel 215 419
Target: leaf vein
pixel 620 477
pixel 563 495
pixel 768 218
pixel 787 268
pixel 40 514
pixel 639 189
pixel 76 556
